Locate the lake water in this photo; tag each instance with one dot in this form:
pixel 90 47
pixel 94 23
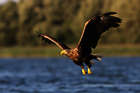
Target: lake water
pixel 61 75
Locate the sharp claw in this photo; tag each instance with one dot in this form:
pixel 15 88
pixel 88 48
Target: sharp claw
pixel 84 71
pixel 89 71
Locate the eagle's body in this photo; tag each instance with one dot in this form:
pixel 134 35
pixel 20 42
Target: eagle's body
pixel 92 31
pixel 73 54
pixel 78 59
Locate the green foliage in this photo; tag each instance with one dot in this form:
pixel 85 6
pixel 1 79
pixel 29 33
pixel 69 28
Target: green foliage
pixel 8 24
pixel 64 19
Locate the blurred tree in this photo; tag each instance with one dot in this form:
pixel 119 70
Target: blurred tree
pixel 8 23
pixel 60 15
pixel 88 9
pixel 129 11
pixel 29 16
pixel 49 16
pixel 64 19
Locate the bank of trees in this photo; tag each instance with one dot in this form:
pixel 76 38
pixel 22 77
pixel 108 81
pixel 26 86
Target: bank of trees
pixel 64 19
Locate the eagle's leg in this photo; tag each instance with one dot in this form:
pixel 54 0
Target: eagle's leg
pixel 89 66
pixel 83 70
pixel 89 70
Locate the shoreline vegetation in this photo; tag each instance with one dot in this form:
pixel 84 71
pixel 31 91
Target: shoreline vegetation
pixel 53 51
pixel 20 22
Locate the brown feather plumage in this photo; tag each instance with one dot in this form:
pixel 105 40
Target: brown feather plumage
pixel 58 43
pixel 93 29
pixel 91 33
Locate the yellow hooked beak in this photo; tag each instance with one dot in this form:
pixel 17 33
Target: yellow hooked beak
pixel 63 52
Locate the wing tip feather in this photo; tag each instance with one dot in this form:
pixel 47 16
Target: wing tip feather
pixel 109 13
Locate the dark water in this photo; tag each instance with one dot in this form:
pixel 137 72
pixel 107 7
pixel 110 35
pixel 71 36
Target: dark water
pixel 60 75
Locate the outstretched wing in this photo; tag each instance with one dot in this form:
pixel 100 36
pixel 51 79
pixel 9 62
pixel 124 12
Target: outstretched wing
pixel 59 44
pixel 93 29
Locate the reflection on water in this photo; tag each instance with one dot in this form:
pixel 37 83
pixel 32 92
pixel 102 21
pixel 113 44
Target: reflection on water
pixel 60 75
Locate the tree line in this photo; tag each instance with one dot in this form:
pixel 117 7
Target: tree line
pixel 64 19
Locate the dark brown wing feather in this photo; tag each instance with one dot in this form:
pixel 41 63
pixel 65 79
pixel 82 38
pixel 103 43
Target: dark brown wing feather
pixel 59 44
pixel 93 29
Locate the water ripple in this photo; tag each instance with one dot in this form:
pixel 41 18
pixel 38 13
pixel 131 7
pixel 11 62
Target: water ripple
pixel 60 75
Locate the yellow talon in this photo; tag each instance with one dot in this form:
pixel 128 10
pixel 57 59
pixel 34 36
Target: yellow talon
pixel 84 71
pixel 89 71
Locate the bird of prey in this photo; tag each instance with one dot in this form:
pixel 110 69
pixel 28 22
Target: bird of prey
pixel 93 29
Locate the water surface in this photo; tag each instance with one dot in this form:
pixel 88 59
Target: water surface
pixel 61 75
